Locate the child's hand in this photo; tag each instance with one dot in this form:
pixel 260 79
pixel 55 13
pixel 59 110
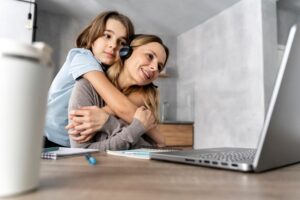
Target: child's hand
pixel 146 117
pixel 77 136
pixel 85 122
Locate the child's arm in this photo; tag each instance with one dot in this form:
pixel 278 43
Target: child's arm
pixel 115 99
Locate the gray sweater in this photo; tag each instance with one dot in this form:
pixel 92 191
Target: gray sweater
pixel 115 133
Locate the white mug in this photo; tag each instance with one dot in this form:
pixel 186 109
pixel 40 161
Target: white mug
pixel 25 76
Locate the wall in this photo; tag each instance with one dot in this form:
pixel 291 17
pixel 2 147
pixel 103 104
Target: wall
pixel 270 46
pixel 221 71
pixel 60 32
pixel 286 18
pixel 167 85
pixel 14 21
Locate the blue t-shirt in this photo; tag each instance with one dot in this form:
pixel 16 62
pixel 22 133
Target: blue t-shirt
pixel 79 61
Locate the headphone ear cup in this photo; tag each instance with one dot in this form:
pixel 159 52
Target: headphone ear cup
pixel 125 52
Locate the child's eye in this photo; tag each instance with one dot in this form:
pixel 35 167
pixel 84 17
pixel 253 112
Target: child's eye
pixel 107 36
pixel 123 43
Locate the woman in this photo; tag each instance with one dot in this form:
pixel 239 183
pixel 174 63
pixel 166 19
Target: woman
pixel 133 75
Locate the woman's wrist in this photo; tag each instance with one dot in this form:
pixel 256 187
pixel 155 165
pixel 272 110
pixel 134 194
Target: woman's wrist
pixel 157 137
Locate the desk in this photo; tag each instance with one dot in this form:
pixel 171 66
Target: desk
pixel 135 179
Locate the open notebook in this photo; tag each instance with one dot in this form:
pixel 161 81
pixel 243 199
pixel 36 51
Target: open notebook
pixel 55 152
pixel 142 153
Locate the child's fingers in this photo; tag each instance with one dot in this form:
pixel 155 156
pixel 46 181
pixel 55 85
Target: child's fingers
pixel 79 120
pixel 88 107
pixel 74 132
pixel 88 138
pixel 88 132
pixel 78 138
pixel 83 127
pixel 69 126
pixel 78 112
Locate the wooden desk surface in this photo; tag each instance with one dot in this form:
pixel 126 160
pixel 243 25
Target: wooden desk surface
pixel 135 179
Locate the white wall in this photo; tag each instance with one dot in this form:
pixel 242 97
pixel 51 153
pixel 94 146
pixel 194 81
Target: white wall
pixel 14 23
pixel 286 19
pixel 167 85
pixel 221 67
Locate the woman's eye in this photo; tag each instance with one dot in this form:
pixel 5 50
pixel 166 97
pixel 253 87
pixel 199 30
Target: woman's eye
pixel 160 68
pixel 150 56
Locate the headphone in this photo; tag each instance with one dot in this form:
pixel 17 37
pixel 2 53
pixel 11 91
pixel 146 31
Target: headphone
pixel 125 52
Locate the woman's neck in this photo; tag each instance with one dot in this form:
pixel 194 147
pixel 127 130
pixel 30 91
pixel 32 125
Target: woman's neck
pixel 124 80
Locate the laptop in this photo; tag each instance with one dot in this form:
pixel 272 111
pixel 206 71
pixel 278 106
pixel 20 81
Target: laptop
pixel 279 142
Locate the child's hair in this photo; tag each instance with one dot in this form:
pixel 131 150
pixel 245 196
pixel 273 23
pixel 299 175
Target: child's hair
pixel 150 92
pixel 97 27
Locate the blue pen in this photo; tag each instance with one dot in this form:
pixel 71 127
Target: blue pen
pixel 90 159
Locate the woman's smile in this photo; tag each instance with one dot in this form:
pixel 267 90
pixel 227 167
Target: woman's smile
pixel 147 74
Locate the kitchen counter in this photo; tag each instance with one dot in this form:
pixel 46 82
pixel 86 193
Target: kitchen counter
pixel 176 122
pixel 177 133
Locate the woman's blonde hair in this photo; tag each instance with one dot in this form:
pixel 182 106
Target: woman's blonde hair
pixel 150 91
pixel 97 27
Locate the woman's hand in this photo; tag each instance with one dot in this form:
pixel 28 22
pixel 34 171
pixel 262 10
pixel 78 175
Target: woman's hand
pixel 148 120
pixel 85 122
pixel 157 137
pixel 146 117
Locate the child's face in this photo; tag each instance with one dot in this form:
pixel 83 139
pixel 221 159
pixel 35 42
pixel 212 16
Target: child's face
pixel 145 63
pixel 106 47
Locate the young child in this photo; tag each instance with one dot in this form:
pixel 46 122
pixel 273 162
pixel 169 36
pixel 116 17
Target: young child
pixel 97 48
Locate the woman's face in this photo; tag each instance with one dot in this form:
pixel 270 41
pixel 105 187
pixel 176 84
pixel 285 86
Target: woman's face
pixel 145 63
pixel 106 48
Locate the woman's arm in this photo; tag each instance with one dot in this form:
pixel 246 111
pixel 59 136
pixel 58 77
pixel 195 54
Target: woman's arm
pixel 116 136
pixel 138 99
pixel 83 94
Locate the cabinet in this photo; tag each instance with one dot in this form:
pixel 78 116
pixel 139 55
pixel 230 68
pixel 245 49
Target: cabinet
pixel 177 134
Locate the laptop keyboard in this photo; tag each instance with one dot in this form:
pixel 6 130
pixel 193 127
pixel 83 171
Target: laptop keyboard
pixel 228 156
